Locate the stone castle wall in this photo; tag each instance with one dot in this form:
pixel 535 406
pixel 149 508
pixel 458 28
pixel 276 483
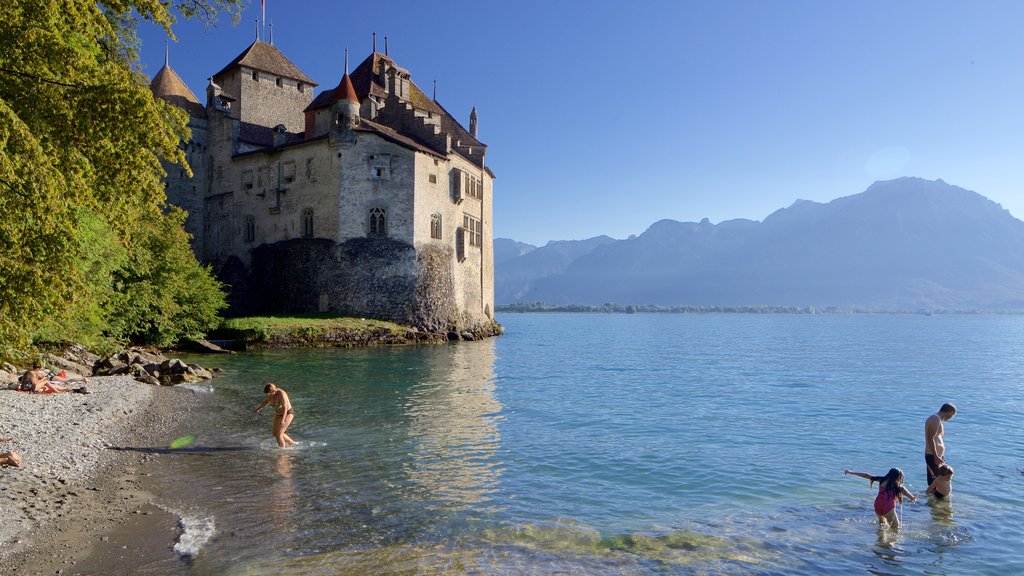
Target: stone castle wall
pixel 366 277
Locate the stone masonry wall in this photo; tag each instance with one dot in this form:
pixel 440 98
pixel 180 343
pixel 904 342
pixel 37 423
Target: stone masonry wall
pixel 367 277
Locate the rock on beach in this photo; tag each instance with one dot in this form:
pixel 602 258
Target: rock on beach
pixel 62 439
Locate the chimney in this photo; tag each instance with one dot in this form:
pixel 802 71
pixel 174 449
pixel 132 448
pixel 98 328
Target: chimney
pixel 472 122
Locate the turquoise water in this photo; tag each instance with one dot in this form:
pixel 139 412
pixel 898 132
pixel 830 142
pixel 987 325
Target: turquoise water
pixel 622 444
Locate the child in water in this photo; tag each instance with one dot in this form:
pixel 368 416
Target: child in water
pixel 890 490
pixel 942 486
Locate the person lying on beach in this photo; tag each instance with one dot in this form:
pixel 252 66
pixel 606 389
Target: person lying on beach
pixel 942 485
pixel 890 490
pixel 9 458
pixel 283 413
pixel 37 381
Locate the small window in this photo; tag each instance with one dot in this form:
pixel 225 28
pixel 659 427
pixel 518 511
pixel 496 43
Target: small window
pixel 288 171
pixel 309 169
pixel 307 223
pixel 301 87
pixel 460 243
pixel 279 84
pixel 380 166
pixel 435 226
pixel 378 222
pixel 474 230
pixel 433 178
pixel 246 179
pixel 250 229
pixel 255 75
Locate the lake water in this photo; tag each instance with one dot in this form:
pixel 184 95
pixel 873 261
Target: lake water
pixel 614 444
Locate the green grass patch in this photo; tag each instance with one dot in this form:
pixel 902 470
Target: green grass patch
pixel 305 326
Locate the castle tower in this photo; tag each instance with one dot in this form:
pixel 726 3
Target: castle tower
pixel 269 89
pixel 181 190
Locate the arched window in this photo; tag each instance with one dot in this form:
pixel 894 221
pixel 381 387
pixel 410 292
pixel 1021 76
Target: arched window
pixel 307 223
pixel 435 226
pixel 250 229
pixel 378 222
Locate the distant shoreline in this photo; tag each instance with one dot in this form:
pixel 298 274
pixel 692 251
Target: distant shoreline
pixel 536 307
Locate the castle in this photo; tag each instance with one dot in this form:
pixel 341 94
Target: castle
pixel 368 200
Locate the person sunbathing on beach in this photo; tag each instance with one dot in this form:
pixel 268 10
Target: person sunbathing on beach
pixel 890 490
pixel 283 413
pixel 39 383
pixel 9 458
pixel 942 485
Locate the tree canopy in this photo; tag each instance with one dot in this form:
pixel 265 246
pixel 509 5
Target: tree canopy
pixel 88 248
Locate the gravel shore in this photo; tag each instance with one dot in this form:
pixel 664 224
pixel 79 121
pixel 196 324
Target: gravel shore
pixel 77 480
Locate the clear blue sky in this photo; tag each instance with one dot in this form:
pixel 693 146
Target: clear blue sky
pixel 603 117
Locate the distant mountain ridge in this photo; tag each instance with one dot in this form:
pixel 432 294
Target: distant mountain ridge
pixel 901 244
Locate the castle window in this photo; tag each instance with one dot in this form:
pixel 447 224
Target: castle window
pixel 246 179
pixel 378 222
pixel 278 82
pixel 435 226
pixel 301 87
pixel 460 243
pixel 250 229
pixel 288 171
pixel 309 169
pixel 255 75
pixel 307 223
pixel 474 230
pixel 433 178
pixel 380 166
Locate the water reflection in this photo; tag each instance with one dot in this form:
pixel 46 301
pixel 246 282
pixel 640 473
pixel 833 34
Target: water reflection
pixel 451 415
pixel 282 492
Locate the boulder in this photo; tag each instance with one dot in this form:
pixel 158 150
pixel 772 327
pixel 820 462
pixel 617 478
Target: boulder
pixel 59 363
pixel 207 347
pixel 142 375
pixel 110 367
pixel 201 372
pixel 8 380
pixel 173 366
pixel 174 379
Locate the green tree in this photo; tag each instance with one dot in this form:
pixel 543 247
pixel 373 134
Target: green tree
pixel 81 139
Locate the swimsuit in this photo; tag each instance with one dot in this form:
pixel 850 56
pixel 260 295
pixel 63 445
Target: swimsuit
pixel 885 502
pixel 932 466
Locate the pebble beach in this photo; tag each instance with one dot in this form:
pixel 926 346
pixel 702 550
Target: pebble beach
pixel 79 474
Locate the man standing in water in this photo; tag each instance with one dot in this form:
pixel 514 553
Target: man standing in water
pixel 934 448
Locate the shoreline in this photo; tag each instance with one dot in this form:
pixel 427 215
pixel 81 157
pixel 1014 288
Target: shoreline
pixel 81 503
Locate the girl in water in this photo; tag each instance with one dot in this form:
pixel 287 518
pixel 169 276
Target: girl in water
pixel 283 413
pixel 890 490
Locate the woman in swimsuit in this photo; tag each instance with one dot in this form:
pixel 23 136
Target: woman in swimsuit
pixel 283 413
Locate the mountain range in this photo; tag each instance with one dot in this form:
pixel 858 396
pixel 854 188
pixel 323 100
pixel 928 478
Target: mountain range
pixel 905 244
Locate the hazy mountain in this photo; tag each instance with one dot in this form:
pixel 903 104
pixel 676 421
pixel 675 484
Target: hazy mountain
pixel 506 249
pixel 902 244
pixel 515 276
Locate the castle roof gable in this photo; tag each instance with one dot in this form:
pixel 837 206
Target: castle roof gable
pixel 267 58
pixel 168 86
